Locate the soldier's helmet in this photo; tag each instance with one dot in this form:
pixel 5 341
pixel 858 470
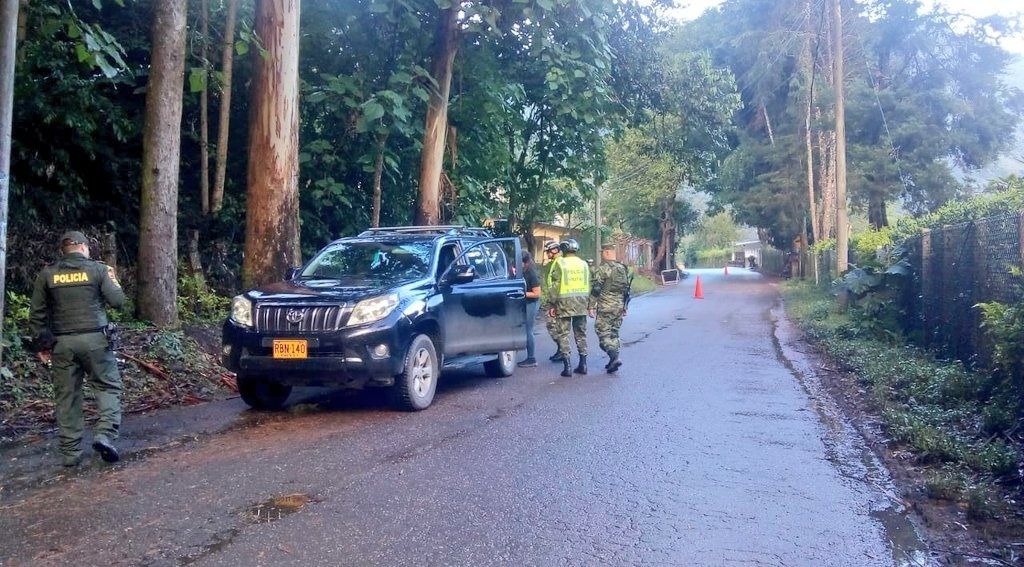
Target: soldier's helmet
pixel 570 245
pixel 551 246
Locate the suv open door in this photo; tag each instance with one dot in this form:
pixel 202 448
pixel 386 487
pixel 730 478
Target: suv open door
pixel 484 307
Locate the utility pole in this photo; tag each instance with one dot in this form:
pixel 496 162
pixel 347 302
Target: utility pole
pixel 8 54
pixel 842 221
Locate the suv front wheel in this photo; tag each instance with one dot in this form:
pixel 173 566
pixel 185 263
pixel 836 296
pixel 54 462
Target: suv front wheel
pixel 415 386
pixel 262 395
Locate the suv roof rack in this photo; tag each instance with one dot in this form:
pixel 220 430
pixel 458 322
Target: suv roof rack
pixel 453 229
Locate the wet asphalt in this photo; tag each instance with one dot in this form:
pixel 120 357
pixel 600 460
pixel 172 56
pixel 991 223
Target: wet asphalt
pixel 713 445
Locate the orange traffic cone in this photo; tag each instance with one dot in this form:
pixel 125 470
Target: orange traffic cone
pixel 727 269
pixel 698 291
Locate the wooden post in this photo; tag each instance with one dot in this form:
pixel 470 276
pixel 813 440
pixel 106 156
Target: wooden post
pixel 8 53
pixel 842 221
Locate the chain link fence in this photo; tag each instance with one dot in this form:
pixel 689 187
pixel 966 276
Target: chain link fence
pixel 955 268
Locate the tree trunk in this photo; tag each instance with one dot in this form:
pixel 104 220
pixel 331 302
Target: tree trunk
pixel 378 173
pixel 8 53
pixel 842 221
pixel 272 208
pixel 768 124
pixel 807 59
pixel 877 215
pixel 826 149
pixel 161 152
pixel 22 30
pixel 428 208
pixel 227 63
pixel 108 249
pixel 204 108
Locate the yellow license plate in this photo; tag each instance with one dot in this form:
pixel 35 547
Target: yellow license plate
pixel 290 348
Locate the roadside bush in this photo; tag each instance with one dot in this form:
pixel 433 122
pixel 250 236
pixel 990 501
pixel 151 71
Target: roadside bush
pixel 197 303
pixel 949 416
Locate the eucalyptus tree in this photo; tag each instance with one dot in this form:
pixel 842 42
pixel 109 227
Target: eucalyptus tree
pixel 923 101
pixel 161 155
pixel 272 207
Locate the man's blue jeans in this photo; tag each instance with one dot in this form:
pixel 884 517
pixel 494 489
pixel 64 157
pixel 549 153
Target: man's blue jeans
pixel 532 308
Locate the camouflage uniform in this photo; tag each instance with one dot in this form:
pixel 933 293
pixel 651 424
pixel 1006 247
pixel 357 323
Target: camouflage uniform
pixel 68 319
pixel 551 322
pixel 571 312
pixel 608 298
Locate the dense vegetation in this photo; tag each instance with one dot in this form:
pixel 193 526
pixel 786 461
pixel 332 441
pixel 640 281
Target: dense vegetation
pixel 547 104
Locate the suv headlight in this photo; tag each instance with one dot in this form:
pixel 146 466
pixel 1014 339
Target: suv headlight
pixel 241 311
pixel 373 309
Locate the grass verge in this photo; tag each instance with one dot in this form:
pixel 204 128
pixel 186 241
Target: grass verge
pixel 946 416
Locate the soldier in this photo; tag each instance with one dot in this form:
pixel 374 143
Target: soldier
pixel 608 302
pixel 567 304
pixel 552 251
pixel 69 327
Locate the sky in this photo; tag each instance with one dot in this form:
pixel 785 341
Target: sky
pixel 690 9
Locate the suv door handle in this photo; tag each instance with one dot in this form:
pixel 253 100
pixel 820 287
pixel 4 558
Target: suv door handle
pixel 515 294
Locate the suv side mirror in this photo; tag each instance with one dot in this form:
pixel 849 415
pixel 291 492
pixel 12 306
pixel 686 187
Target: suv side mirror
pixel 291 273
pixel 460 275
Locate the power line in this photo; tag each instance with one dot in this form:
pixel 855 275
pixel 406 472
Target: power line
pixel 885 122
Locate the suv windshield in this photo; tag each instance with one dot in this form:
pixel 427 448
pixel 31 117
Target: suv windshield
pixel 381 262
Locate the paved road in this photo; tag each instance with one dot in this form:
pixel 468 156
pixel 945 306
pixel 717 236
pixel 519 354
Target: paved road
pixel 712 446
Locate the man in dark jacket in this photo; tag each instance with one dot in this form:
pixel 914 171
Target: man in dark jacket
pixel 69 327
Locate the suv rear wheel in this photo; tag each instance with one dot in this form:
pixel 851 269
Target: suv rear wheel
pixel 415 386
pixel 502 366
pixel 261 394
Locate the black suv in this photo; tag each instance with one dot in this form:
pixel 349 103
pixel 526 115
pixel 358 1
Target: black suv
pixel 389 307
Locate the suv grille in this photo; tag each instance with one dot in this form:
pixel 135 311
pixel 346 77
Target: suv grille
pixel 299 318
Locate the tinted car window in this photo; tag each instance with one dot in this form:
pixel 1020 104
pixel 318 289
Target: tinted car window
pixel 496 260
pixel 381 262
pixel 477 258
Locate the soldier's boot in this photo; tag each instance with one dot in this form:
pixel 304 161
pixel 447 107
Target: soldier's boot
pixel 565 367
pixel 71 460
pixel 581 368
pixel 106 449
pixel 613 362
pixel 557 357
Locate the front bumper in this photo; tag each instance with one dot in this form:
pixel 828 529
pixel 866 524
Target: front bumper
pixel 344 357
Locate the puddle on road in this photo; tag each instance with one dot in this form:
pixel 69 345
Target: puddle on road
pixel 277 508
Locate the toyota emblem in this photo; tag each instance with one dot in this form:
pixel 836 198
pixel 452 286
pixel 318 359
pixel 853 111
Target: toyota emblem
pixel 295 315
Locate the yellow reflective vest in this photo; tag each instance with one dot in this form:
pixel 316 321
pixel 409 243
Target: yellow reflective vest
pixel 575 277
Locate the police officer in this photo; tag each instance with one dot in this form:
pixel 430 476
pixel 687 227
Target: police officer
pixel 553 252
pixel 69 327
pixel 608 301
pixel 567 303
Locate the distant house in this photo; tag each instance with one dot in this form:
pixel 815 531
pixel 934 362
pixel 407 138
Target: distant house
pixel 742 251
pixel 544 232
pixel 634 251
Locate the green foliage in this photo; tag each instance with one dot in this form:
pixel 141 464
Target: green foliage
pixel 1006 195
pixel 926 99
pixel 1004 325
pixel 870 245
pixel 197 302
pixel 642 284
pixel 17 309
pixel 958 423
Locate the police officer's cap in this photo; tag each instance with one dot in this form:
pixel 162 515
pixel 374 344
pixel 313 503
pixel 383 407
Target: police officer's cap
pixel 570 245
pixel 73 237
pixel 551 246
